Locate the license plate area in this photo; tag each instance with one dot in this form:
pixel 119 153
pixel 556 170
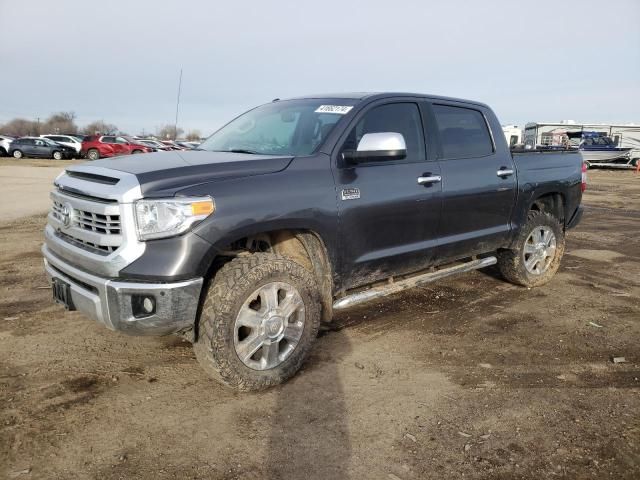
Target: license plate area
pixel 62 293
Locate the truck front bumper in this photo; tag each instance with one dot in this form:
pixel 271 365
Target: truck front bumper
pixel 118 305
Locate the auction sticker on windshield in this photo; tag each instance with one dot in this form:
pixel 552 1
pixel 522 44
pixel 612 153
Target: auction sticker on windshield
pixel 339 109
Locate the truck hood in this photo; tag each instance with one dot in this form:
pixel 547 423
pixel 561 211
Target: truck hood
pixel 163 173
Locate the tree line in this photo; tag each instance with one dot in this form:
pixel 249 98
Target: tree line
pixel 64 123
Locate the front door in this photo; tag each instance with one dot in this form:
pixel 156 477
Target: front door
pixel 41 148
pixel 478 182
pixel 388 217
pixel 118 148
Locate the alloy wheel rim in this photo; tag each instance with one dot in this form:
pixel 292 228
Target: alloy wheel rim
pixel 269 326
pixel 539 250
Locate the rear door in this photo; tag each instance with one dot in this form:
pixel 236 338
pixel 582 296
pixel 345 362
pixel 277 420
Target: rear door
pixel 478 180
pixel 388 220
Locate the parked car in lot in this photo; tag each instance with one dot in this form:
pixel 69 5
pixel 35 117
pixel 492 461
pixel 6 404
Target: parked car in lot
pixel 187 145
pixel 5 142
pixel 153 144
pixel 97 146
pixel 172 145
pixel 39 147
pixel 296 209
pixel 68 140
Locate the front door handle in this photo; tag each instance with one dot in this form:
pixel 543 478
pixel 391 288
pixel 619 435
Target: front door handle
pixel 505 172
pixel 429 180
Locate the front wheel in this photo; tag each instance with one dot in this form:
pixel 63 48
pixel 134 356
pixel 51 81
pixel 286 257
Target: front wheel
pixel 57 155
pixel 259 319
pixel 93 154
pixel 536 255
pixel 135 152
pixel 17 154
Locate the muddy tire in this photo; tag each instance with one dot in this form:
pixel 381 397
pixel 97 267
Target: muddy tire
pixel 259 319
pixel 537 253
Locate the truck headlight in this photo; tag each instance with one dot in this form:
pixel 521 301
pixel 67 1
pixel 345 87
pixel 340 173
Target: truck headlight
pixel 172 216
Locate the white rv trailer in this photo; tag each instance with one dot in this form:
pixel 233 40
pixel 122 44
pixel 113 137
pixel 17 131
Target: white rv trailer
pixel 550 133
pixel 513 134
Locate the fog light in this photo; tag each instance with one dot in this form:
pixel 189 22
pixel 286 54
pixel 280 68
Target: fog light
pixel 148 305
pixel 143 305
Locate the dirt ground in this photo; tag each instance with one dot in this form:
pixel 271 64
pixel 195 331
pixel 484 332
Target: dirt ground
pixel 20 180
pixel 471 377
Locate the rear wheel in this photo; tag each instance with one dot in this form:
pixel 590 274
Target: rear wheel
pixel 57 155
pixel 17 154
pixel 137 151
pixel 93 154
pixel 537 253
pixel 259 319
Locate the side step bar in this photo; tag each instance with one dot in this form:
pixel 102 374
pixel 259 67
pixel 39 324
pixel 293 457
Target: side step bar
pixel 384 290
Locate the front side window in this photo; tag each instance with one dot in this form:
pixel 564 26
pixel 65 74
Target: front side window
pixel 403 118
pixel 121 140
pixel 463 132
pixel 290 127
pixel 108 139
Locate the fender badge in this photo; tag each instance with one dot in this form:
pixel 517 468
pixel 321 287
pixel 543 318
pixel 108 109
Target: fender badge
pixel 350 193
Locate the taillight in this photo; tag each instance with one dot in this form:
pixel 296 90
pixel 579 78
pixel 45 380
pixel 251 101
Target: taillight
pixel 583 184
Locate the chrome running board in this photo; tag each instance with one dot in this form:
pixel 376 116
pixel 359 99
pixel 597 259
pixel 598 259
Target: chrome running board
pixel 384 290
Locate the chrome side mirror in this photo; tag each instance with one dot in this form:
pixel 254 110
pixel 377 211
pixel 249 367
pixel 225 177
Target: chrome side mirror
pixel 377 147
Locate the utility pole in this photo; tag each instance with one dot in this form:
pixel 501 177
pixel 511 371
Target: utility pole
pixel 175 125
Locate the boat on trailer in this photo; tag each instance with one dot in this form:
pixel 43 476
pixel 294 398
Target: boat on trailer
pixel 599 150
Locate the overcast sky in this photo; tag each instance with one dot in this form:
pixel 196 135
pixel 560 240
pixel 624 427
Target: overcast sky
pixel 120 60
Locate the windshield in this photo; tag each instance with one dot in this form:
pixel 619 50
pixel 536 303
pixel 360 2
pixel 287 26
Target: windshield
pixel 598 141
pixel 291 127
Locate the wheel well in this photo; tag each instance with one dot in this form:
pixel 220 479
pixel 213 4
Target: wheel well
pixel 304 247
pixel 552 203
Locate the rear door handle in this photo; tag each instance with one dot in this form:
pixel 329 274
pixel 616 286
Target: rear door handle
pixel 429 180
pixel 504 172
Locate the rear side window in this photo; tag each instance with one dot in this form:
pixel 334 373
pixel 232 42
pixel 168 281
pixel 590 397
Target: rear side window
pixel 109 139
pixel 463 132
pixel 403 118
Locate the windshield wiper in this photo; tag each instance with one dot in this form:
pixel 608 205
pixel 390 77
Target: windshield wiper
pixel 241 150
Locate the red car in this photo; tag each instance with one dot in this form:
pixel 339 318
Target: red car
pixel 98 146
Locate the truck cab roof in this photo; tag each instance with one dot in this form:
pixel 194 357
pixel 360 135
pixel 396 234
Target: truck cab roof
pixel 382 95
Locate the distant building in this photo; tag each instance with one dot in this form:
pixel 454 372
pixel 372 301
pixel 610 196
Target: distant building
pixel 550 133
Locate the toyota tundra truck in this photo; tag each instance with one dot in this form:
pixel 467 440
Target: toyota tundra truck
pixel 298 208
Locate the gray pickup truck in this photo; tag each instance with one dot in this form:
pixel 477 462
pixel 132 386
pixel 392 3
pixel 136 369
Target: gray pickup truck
pixel 297 208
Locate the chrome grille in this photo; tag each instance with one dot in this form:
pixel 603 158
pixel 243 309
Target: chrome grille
pixel 107 224
pixel 88 224
pixel 90 246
